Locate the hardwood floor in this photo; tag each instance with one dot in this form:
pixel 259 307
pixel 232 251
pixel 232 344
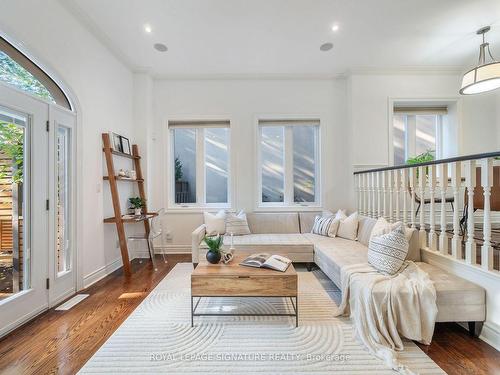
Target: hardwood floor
pixel 60 342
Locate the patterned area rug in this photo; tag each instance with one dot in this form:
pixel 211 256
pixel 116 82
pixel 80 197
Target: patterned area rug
pixel 158 338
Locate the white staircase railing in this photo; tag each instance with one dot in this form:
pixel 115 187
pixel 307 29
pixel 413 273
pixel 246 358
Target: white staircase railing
pixel 438 198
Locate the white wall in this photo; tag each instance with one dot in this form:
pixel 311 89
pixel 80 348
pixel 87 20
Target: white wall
pixel 103 88
pixel 241 101
pixel 370 95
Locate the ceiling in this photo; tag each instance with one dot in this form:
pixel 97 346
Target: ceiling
pixel 282 37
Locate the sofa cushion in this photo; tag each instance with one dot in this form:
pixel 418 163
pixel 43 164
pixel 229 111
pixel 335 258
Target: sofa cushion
pixel 457 299
pixel 365 227
pixel 330 254
pixel 291 242
pixel 237 224
pixel 268 223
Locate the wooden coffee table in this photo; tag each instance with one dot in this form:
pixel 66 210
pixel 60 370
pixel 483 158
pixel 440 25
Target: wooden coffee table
pixel 233 280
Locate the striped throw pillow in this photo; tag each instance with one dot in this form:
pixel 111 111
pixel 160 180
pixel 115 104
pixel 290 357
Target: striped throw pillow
pixel 322 225
pixel 387 253
pixel 237 224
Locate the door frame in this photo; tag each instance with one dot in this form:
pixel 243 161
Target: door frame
pixel 60 288
pixel 30 302
pixel 76 193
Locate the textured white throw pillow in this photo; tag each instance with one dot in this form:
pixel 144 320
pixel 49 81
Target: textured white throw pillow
pixel 382 226
pixel 215 224
pixel 387 253
pixel 348 227
pixel 237 224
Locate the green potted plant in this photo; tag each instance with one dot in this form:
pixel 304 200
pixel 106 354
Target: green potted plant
pixel 214 244
pixel 137 203
pixel 422 158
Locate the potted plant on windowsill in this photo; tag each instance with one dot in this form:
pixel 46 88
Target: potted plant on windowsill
pixel 137 203
pixel 214 244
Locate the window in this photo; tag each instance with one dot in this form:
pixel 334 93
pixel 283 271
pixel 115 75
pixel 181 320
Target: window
pixel 63 198
pixel 288 162
pixel 19 71
pixel 417 131
pixel 200 157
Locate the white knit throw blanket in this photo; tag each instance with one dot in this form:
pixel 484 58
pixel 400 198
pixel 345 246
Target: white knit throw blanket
pixel 384 307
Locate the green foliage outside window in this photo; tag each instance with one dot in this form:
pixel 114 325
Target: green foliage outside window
pixel 14 74
pixel 12 146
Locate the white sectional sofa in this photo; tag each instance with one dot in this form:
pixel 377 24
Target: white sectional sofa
pixel 288 234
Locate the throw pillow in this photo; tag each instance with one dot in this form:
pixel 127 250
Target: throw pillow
pixel 322 225
pixel 215 224
pixel 334 227
pixel 348 227
pixel 382 226
pixel 237 224
pixel 387 253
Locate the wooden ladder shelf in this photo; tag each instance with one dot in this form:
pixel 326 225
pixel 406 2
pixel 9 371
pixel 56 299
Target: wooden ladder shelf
pixel 113 178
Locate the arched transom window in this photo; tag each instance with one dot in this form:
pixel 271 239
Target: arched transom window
pixel 18 70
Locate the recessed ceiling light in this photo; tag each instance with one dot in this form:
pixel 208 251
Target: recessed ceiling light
pixel 160 47
pixel 335 27
pixel 326 47
pixel 148 28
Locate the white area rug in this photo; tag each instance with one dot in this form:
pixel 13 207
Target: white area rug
pixel 158 338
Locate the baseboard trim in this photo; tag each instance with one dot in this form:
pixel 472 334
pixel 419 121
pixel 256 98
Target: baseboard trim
pixel 101 273
pixel 491 334
pixel 169 249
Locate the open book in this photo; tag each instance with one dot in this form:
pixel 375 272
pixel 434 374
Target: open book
pixel 263 260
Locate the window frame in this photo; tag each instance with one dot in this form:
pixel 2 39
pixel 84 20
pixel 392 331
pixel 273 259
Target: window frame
pixel 56 91
pixel 410 138
pixel 200 204
pixel 288 181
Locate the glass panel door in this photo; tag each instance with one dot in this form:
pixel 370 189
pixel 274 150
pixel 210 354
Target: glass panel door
pixel 23 211
pixel 62 260
pixel 14 188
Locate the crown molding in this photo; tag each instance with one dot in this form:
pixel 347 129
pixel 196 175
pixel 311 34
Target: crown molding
pixel 414 70
pixel 248 76
pixel 88 23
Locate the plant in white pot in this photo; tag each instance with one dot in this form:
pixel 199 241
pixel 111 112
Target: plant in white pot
pixel 137 203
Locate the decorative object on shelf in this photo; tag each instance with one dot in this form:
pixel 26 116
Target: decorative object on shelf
pixel 214 244
pixel 125 145
pixel 227 255
pixel 137 204
pixel 486 75
pixel 122 173
pixel 116 141
pixel 133 174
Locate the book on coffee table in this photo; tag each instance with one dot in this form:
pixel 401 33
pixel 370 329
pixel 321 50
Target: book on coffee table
pixel 263 260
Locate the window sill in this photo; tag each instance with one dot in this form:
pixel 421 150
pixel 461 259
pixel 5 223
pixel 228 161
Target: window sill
pixel 196 209
pixel 287 208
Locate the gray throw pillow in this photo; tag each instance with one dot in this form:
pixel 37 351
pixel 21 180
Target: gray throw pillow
pixel 387 253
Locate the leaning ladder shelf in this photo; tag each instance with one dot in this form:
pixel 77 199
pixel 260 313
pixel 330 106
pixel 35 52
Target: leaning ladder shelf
pixel 113 180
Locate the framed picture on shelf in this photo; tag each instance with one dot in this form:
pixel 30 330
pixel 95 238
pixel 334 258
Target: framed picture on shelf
pixel 116 142
pixel 125 145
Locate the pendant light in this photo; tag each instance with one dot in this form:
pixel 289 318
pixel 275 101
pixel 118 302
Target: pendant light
pixel 486 75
